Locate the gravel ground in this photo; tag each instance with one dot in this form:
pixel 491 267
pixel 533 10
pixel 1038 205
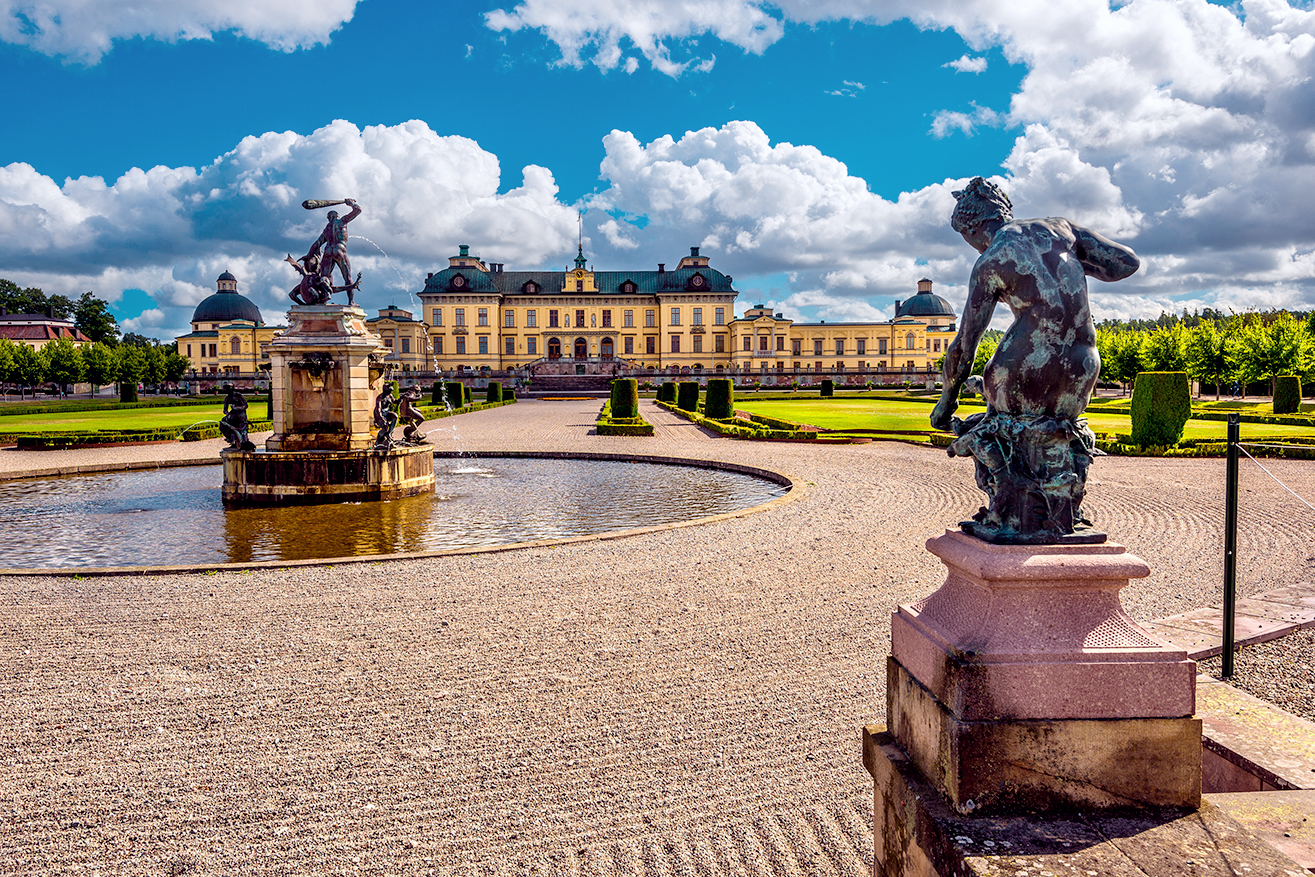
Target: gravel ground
pixel 1281 671
pixel 670 703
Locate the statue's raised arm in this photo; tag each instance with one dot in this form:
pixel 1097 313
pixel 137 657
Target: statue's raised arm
pixel 1031 447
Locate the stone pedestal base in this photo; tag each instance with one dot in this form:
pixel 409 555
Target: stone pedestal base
pixel 307 477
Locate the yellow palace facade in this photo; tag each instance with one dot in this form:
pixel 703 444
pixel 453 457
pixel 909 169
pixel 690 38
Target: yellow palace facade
pixel 682 320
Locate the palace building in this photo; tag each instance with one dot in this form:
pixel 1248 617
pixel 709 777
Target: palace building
pixel 228 334
pixel 481 317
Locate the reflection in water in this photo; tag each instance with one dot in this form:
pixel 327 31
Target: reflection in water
pixel 175 516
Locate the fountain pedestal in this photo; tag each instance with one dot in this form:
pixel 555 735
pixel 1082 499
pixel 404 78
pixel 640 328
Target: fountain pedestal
pixel 324 383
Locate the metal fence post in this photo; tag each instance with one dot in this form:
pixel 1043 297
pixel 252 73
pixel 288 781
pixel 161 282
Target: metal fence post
pixel 1230 543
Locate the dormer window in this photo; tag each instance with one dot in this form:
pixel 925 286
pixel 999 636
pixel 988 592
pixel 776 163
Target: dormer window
pixel 628 287
pixel 458 281
pixel 698 281
pixel 530 288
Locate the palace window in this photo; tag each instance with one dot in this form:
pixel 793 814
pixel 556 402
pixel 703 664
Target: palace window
pixel 675 316
pixel 189 350
pixel 748 343
pixel 795 347
pixel 698 343
pixel 579 286
pixel 460 317
pixel 719 317
pixel 881 346
pixel 675 344
pixel 607 319
pixel 388 342
pixel 937 347
pixel 762 343
pixel 909 341
pixel 531 319
pixel 579 319
pixel 780 343
pixel 719 343
pixel 483 316
pixel 650 318
pixel 509 319
pixel 438 345
pixel 438 316
pixel 817 366
pixel 698 316
pixel 532 346
pixel 817 347
pixel 650 345
pixel 461 345
pixel 840 347
pixel 552 319
pixel 511 346
pixel 484 345
pixel 406 345
pixel 780 366
pixel 214 351
pixel 628 319
pixel 235 346
pixel 629 345
pixel 862 345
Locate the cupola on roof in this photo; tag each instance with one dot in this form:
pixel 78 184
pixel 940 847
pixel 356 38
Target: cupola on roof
pixel 227 305
pixel 925 304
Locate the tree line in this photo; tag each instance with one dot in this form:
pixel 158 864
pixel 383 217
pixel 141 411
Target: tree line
pixel 1211 347
pixel 62 362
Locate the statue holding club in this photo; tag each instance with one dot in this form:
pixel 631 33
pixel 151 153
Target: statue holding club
pixel 327 253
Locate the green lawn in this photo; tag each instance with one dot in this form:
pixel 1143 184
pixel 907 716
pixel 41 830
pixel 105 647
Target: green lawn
pixel 130 418
pixel 901 415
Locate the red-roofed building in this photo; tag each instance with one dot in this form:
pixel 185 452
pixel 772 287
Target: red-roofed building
pixel 38 330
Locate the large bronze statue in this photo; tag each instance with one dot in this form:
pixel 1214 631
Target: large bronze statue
pixel 385 417
pixel 234 425
pixel 1031 447
pixel 328 252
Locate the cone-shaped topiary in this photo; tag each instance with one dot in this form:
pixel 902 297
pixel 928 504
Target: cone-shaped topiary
pixel 719 403
pixel 687 397
pixel 436 394
pixel 494 392
pixel 1161 404
pixel 625 398
pixel 1287 394
pixel 828 387
pixel 666 392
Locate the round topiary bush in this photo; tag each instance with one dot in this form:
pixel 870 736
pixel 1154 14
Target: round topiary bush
pixel 719 403
pixel 666 392
pixel 1287 394
pixel 494 392
pixel 625 398
pixel 828 387
pixel 1161 404
pixel 454 395
pixel 687 397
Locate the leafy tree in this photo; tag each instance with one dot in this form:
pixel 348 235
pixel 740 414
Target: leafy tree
pixel 174 364
pixel 29 370
pixel 63 362
pixel 129 364
pixel 1210 356
pixel 93 319
pixel 7 350
pixel 1280 346
pixel 985 350
pixel 1163 349
pixel 153 373
pixel 32 300
pixel 100 365
pixel 1121 360
pixel 140 340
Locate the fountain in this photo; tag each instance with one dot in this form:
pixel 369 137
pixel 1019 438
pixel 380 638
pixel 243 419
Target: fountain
pixel 328 382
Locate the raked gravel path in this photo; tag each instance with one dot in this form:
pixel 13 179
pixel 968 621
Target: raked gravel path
pixel 682 702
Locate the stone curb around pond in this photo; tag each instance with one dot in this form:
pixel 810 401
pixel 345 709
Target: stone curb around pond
pixel 795 490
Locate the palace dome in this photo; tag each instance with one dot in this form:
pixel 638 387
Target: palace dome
pixel 925 304
pixel 227 305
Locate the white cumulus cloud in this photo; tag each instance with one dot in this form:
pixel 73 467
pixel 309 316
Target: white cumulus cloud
pixel 967 64
pixel 84 30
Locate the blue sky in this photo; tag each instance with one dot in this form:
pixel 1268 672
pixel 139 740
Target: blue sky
pixel 808 147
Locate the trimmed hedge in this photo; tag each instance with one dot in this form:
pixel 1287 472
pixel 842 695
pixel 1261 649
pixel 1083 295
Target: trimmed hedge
pixel 1287 394
pixel 719 401
pixel 609 425
pixel 1161 404
pixel 467 395
pixel 828 387
pixel 454 396
pixel 52 441
pixel 687 396
pixel 625 398
pixel 739 428
pixel 436 413
pixel 494 392
pixel 666 392
pixel 14 408
pixel 128 391
pixel 436 393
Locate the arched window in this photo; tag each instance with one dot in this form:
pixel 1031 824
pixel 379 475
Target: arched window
pixel 910 340
pixel 235 346
pixel 628 287
pixel 554 348
pixel 581 348
pixel 605 348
